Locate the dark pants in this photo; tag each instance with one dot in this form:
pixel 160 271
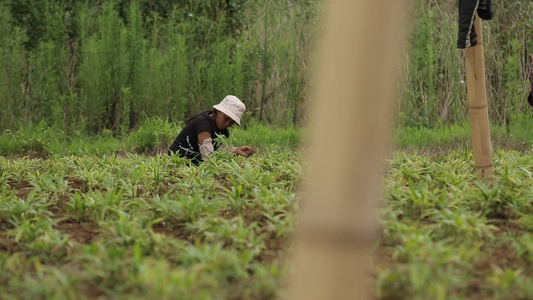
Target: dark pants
pixel 467 11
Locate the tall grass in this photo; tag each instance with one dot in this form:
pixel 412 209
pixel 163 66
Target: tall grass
pixel 88 66
pixel 434 88
pixel 111 65
pixel 13 89
pixel 282 33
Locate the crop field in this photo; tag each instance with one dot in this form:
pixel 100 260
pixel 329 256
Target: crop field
pixel 124 225
pixel 448 236
pixel 145 227
pixel 93 93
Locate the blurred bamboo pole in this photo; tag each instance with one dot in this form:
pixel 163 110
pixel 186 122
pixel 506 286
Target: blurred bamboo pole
pixel 478 107
pixel 349 124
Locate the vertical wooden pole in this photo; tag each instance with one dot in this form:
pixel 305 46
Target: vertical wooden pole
pixel 349 130
pixel 478 108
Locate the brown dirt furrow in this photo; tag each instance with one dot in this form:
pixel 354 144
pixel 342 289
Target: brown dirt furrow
pixel 84 232
pixel 21 188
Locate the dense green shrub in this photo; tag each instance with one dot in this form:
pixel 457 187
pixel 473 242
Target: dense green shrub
pixel 94 65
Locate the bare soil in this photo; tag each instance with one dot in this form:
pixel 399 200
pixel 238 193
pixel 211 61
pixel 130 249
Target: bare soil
pixel 8 246
pixel 21 188
pixel 84 232
pixel 75 184
pixel 176 229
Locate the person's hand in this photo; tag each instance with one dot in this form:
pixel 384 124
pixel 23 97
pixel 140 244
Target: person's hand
pixel 244 151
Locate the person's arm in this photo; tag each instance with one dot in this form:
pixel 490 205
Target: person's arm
pixel 205 142
pixel 206 146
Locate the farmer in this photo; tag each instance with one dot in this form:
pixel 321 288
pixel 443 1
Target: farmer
pixel 198 139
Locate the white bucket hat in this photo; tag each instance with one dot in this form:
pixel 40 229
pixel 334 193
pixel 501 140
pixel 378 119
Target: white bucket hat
pixel 232 107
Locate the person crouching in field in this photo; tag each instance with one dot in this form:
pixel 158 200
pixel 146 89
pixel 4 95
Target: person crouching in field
pixel 198 139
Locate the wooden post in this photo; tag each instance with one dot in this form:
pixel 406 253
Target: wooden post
pixel 349 130
pixel 477 106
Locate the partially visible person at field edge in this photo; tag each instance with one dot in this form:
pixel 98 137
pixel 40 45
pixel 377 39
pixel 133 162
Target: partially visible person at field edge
pixel 198 139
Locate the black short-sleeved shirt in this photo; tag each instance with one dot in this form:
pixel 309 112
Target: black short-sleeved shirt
pixel 186 143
